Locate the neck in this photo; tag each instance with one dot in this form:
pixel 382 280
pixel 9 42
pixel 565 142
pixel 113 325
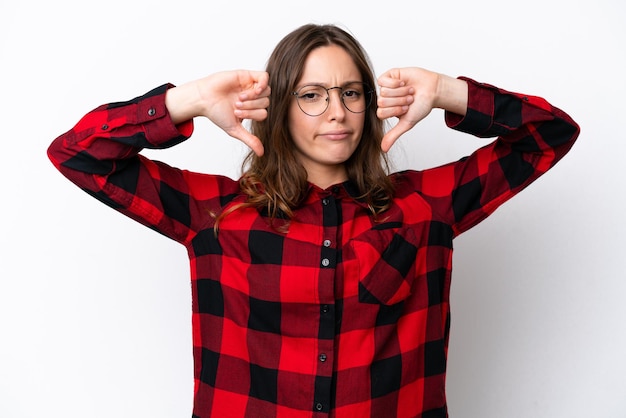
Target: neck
pixel 328 177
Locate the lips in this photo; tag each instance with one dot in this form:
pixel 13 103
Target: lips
pixel 337 135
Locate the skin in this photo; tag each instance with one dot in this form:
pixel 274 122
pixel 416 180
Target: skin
pixel 324 142
pixel 226 99
pixel 411 93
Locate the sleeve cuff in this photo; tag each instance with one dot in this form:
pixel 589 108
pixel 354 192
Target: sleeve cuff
pixel 152 113
pixel 478 120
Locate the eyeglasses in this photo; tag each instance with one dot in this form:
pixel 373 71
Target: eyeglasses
pixel 314 99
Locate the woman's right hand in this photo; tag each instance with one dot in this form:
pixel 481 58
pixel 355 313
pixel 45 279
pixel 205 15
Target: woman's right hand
pixel 225 98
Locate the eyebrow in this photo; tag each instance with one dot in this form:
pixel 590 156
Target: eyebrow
pixel 326 85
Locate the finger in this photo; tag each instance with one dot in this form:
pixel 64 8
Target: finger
pixel 263 91
pixel 255 109
pixel 390 112
pixel 399 91
pixel 254 143
pixel 393 134
pixel 391 78
pixel 254 94
pixel 397 104
pixel 253 114
pixel 260 103
pixel 262 81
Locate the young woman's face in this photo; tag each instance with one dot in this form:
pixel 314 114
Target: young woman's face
pixel 323 143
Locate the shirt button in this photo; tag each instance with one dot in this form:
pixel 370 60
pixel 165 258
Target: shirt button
pixel 326 243
pixel 322 357
pixel 325 262
pixel 151 112
pixel 319 406
pixel 325 202
pixel 325 308
pixel 105 127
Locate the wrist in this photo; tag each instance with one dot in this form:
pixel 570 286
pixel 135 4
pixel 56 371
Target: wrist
pixel 451 94
pixel 183 102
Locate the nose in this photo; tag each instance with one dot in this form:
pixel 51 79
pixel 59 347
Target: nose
pixel 336 108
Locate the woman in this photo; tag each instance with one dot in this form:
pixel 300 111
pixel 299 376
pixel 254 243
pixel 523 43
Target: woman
pixel 320 283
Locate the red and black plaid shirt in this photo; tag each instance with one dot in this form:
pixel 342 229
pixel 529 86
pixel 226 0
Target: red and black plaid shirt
pixel 340 315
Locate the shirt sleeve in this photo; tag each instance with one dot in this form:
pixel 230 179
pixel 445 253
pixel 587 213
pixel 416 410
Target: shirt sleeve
pixel 532 136
pixel 100 154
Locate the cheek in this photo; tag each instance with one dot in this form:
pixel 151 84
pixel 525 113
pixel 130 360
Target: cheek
pixel 360 124
pixel 292 121
pixel 300 125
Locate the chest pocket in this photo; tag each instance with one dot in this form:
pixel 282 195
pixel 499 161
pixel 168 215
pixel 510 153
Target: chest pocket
pixel 386 261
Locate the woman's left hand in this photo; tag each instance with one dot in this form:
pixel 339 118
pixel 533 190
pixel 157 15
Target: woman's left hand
pixel 411 93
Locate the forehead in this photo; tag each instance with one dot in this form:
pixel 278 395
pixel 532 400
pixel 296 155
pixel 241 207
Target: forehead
pixel 330 66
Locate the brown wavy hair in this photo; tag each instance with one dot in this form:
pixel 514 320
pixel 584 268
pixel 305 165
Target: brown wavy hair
pixel 277 181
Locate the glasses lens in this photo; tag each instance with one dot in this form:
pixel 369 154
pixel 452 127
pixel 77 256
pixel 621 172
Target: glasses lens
pixel 313 100
pixel 356 97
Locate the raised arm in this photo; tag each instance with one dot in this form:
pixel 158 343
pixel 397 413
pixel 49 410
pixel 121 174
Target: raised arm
pixel 531 137
pixel 101 153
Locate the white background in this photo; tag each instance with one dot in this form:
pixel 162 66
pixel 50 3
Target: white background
pixel 95 309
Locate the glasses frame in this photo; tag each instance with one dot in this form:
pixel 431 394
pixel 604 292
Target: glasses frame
pixel 367 91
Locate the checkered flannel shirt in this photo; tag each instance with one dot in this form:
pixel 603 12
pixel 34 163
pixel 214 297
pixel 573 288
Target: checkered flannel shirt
pixel 340 315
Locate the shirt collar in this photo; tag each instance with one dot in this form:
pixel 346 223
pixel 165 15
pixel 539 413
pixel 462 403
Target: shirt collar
pixel 345 190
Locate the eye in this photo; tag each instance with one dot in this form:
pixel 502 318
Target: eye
pixel 353 92
pixel 311 94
